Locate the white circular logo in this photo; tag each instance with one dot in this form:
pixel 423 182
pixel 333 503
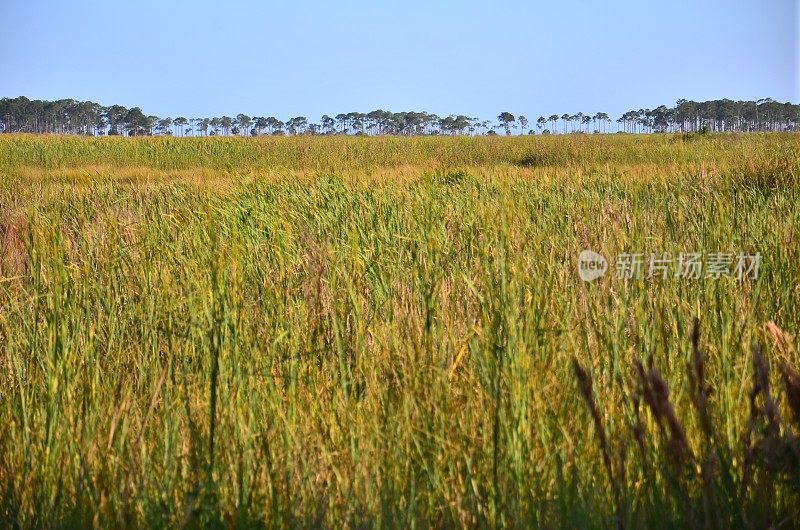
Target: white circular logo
pixel 591 265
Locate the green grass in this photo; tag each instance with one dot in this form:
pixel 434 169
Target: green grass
pixel 379 332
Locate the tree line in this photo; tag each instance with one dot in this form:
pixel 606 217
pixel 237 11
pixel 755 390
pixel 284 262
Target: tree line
pixel 67 116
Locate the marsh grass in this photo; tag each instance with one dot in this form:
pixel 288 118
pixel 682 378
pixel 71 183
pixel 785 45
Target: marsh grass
pixel 709 483
pixel 355 332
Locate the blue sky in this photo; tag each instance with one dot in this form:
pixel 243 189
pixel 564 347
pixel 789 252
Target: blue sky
pixel 204 58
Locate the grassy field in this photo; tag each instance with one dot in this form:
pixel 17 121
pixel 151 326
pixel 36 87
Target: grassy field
pixel 392 333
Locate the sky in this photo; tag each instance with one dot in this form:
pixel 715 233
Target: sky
pixel 199 58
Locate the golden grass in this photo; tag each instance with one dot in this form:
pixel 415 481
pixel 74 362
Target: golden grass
pixel 380 332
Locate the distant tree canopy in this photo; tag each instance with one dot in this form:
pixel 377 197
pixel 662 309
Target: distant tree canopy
pixel 67 116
